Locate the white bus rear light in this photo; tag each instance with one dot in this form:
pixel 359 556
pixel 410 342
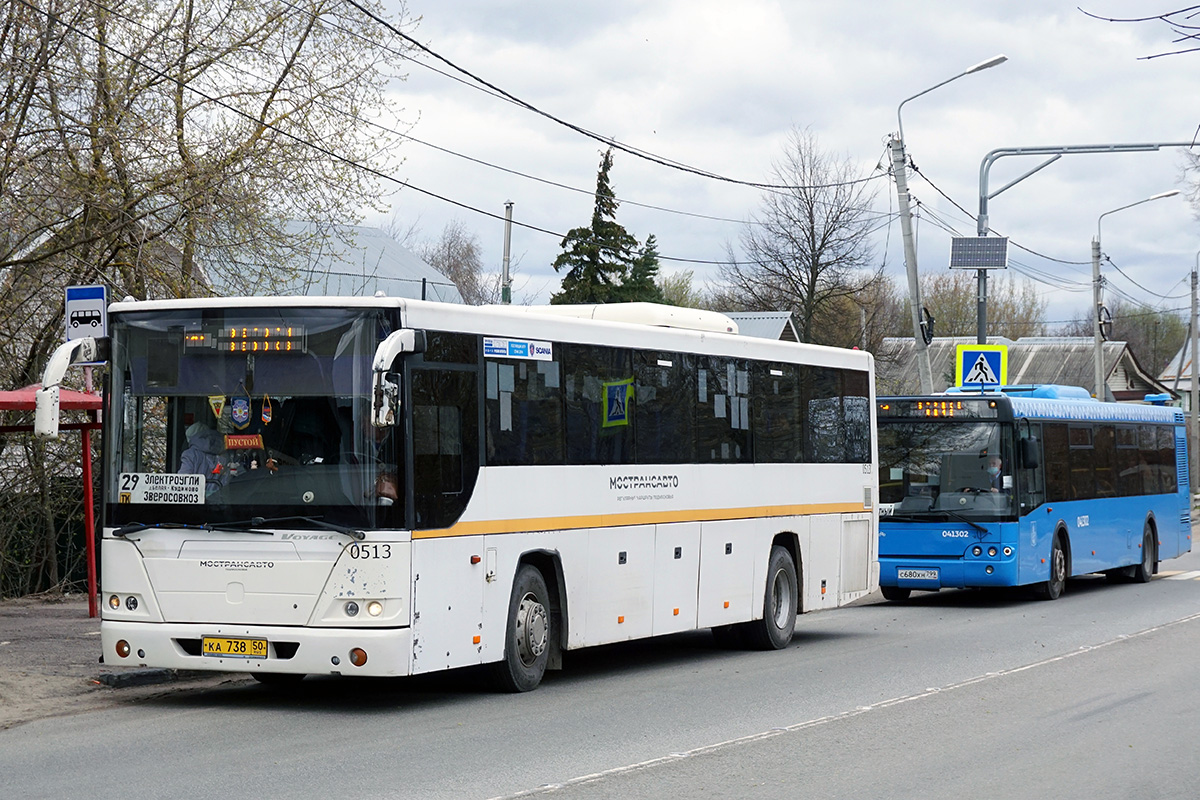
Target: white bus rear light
pixel 352 609
pixel 114 602
pixel 374 608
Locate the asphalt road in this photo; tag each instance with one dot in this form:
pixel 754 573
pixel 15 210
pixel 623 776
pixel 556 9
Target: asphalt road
pixel 950 695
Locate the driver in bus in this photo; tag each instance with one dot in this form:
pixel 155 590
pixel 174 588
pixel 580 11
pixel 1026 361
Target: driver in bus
pixel 995 476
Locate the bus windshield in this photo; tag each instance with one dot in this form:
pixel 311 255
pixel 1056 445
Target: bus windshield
pixel 227 415
pixel 932 468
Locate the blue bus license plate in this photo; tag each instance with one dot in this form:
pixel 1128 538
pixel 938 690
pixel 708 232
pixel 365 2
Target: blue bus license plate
pixel 917 574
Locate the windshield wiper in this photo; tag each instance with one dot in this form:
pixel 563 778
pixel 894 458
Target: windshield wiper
pixel 241 526
pixel 919 516
pixel 961 518
pixel 353 533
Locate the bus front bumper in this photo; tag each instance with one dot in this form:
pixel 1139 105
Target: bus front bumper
pixel 328 651
pixel 931 574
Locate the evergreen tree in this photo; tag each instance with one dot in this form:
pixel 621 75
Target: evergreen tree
pixel 604 262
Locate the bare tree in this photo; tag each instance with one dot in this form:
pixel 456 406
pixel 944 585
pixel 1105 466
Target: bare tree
pixel 161 147
pixel 1014 307
pixel 1153 335
pixel 808 248
pixel 458 255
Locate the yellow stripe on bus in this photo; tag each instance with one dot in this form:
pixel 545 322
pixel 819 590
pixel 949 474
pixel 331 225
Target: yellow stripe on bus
pixel 634 518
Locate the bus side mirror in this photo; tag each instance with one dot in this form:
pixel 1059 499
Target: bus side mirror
pixel 1029 453
pixel 385 384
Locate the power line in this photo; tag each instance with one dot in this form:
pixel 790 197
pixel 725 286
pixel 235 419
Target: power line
pixel 609 141
pixel 327 152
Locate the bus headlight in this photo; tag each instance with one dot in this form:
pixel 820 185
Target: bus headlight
pixel 352 609
pixel 114 602
pixel 992 552
pixel 1007 552
pixel 976 551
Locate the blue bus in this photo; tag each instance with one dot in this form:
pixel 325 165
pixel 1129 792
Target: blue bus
pixel 1027 486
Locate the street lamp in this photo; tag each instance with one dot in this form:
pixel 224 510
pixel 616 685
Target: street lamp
pixel 899 167
pixel 1099 346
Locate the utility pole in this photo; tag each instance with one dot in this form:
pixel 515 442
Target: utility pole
pixel 1194 472
pixel 505 278
pixel 900 169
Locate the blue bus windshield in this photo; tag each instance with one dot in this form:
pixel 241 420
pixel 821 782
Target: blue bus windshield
pixel 937 467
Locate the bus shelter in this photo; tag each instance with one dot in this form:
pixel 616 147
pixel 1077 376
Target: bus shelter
pixel 24 399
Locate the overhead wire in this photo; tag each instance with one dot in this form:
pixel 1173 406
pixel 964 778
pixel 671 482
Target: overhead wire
pixel 607 140
pixel 327 152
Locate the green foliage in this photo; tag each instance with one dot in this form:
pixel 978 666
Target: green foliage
pixel 604 262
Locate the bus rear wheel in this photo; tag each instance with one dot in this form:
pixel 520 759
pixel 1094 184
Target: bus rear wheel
pixel 1052 588
pixel 527 640
pixel 774 631
pixel 1143 572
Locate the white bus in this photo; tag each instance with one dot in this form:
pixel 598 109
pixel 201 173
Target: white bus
pixel 382 486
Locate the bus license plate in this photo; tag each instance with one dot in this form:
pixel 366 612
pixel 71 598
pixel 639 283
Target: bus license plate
pixel 917 574
pixel 228 647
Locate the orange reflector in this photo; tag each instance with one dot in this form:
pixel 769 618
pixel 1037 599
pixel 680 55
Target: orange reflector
pixel 1043 561
pixel 727 604
pixel 677 612
pixel 620 620
pixel 358 656
pixel 822 588
pixel 123 649
pixel 475 559
pixel 1094 552
pixel 475 640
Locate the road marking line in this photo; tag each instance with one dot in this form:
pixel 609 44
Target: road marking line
pixel 1184 576
pixel 812 723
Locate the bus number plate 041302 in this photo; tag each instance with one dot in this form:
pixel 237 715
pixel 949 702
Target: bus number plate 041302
pixel 227 647
pixel 917 574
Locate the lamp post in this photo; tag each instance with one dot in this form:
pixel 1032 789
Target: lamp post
pixel 899 168
pixel 1055 151
pixel 1096 299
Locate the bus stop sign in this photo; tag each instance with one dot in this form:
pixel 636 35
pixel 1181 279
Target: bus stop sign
pixel 87 312
pixel 981 365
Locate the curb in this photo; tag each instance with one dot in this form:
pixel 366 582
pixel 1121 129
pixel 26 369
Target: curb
pixel 146 677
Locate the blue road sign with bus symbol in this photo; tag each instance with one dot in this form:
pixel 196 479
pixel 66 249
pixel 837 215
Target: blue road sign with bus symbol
pixel 86 312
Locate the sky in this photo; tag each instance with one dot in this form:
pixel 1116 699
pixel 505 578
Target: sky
pixel 719 85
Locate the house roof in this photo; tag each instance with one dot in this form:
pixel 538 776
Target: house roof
pixel 765 324
pixel 1062 360
pixel 357 261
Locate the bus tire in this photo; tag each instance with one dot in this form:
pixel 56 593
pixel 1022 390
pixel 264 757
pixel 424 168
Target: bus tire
pixel 780 602
pixel 1144 571
pixel 1053 587
pixel 894 593
pixel 527 639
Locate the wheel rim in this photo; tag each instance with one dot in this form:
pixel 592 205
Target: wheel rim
pixel 532 628
pixel 1058 565
pixel 781 598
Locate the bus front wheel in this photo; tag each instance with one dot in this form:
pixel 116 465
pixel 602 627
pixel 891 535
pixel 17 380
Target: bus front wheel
pixel 895 593
pixel 527 640
pixel 774 630
pixel 1052 588
pixel 1143 572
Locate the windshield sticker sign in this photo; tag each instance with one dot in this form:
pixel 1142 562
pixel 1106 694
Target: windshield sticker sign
pixel 153 487
pixel 517 348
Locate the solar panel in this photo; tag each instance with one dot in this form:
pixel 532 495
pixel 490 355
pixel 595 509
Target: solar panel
pixel 979 252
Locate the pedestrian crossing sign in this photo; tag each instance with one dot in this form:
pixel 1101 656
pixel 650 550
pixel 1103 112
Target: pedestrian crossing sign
pixel 981 365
